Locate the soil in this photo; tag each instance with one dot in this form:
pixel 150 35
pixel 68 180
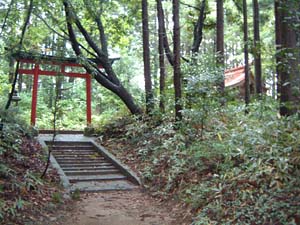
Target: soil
pixel 123 208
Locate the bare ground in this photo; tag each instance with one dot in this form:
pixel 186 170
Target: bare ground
pixel 123 208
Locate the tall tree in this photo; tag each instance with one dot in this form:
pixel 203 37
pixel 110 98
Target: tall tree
pixel 278 41
pixel 220 41
pixel 20 44
pixel 246 55
pixel 198 29
pixel 108 79
pixel 177 72
pixel 257 48
pixel 167 49
pixel 288 62
pixel 162 70
pixel 146 57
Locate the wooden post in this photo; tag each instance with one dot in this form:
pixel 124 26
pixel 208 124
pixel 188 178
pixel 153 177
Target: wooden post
pixel 88 100
pixel 34 94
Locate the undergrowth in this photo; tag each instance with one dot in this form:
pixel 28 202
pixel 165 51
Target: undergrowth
pixel 234 169
pixel 23 195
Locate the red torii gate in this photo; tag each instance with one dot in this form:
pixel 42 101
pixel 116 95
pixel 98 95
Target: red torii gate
pixel 36 70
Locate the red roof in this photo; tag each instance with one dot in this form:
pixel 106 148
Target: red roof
pixel 235 76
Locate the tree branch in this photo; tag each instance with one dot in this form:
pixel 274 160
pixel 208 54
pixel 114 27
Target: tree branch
pixel 190 6
pixel 19 47
pixel 198 31
pixel 6 16
pixel 101 56
pixel 63 36
pixel 75 45
pixel 97 18
pixel 110 80
pixel 161 15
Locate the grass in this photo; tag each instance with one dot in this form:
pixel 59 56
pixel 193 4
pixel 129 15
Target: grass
pixel 241 169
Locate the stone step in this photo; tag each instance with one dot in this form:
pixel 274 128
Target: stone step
pixel 87 168
pixel 78 148
pixel 96 186
pixel 91 172
pixel 110 177
pixel 80 157
pixel 70 143
pixel 69 165
pixel 81 160
pixel 72 152
pixel 89 156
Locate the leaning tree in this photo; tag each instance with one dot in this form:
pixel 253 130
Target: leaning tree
pixel 106 77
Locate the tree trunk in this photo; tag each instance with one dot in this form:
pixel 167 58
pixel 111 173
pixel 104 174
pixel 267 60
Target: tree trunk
pixel 108 79
pixel 198 29
pixel 20 82
pixel 246 55
pixel 146 57
pixel 278 41
pixel 287 56
pixel 97 17
pixel 257 48
pixel 177 72
pixel 162 70
pixel 14 82
pixel 167 49
pixel 11 70
pixel 58 85
pixel 220 43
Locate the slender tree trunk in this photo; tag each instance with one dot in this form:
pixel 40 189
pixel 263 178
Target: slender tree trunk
pixel 162 70
pixel 20 46
pixel 167 49
pixel 220 43
pixel 278 41
pixel 20 82
pixel 198 29
pixel 55 115
pixel 6 16
pixel 246 55
pixel 155 59
pixel 97 18
pixel 11 70
pixel 177 72
pixel 257 47
pixel 146 57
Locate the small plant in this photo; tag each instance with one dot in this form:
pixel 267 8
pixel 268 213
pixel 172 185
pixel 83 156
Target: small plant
pixel 57 197
pixel 19 204
pixel 89 131
pixel 75 195
pixel 32 181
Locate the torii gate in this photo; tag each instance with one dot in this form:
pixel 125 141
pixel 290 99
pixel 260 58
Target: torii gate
pixel 36 62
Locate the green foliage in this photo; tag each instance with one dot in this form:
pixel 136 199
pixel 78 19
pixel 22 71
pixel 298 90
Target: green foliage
pixel 202 96
pixel 20 167
pixel 32 181
pixel 57 197
pixel 75 195
pixel 243 169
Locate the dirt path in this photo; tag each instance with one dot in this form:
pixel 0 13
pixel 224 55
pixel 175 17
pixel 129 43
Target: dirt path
pixel 122 208
pixel 116 207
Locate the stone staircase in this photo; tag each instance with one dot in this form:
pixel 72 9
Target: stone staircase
pixel 88 167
